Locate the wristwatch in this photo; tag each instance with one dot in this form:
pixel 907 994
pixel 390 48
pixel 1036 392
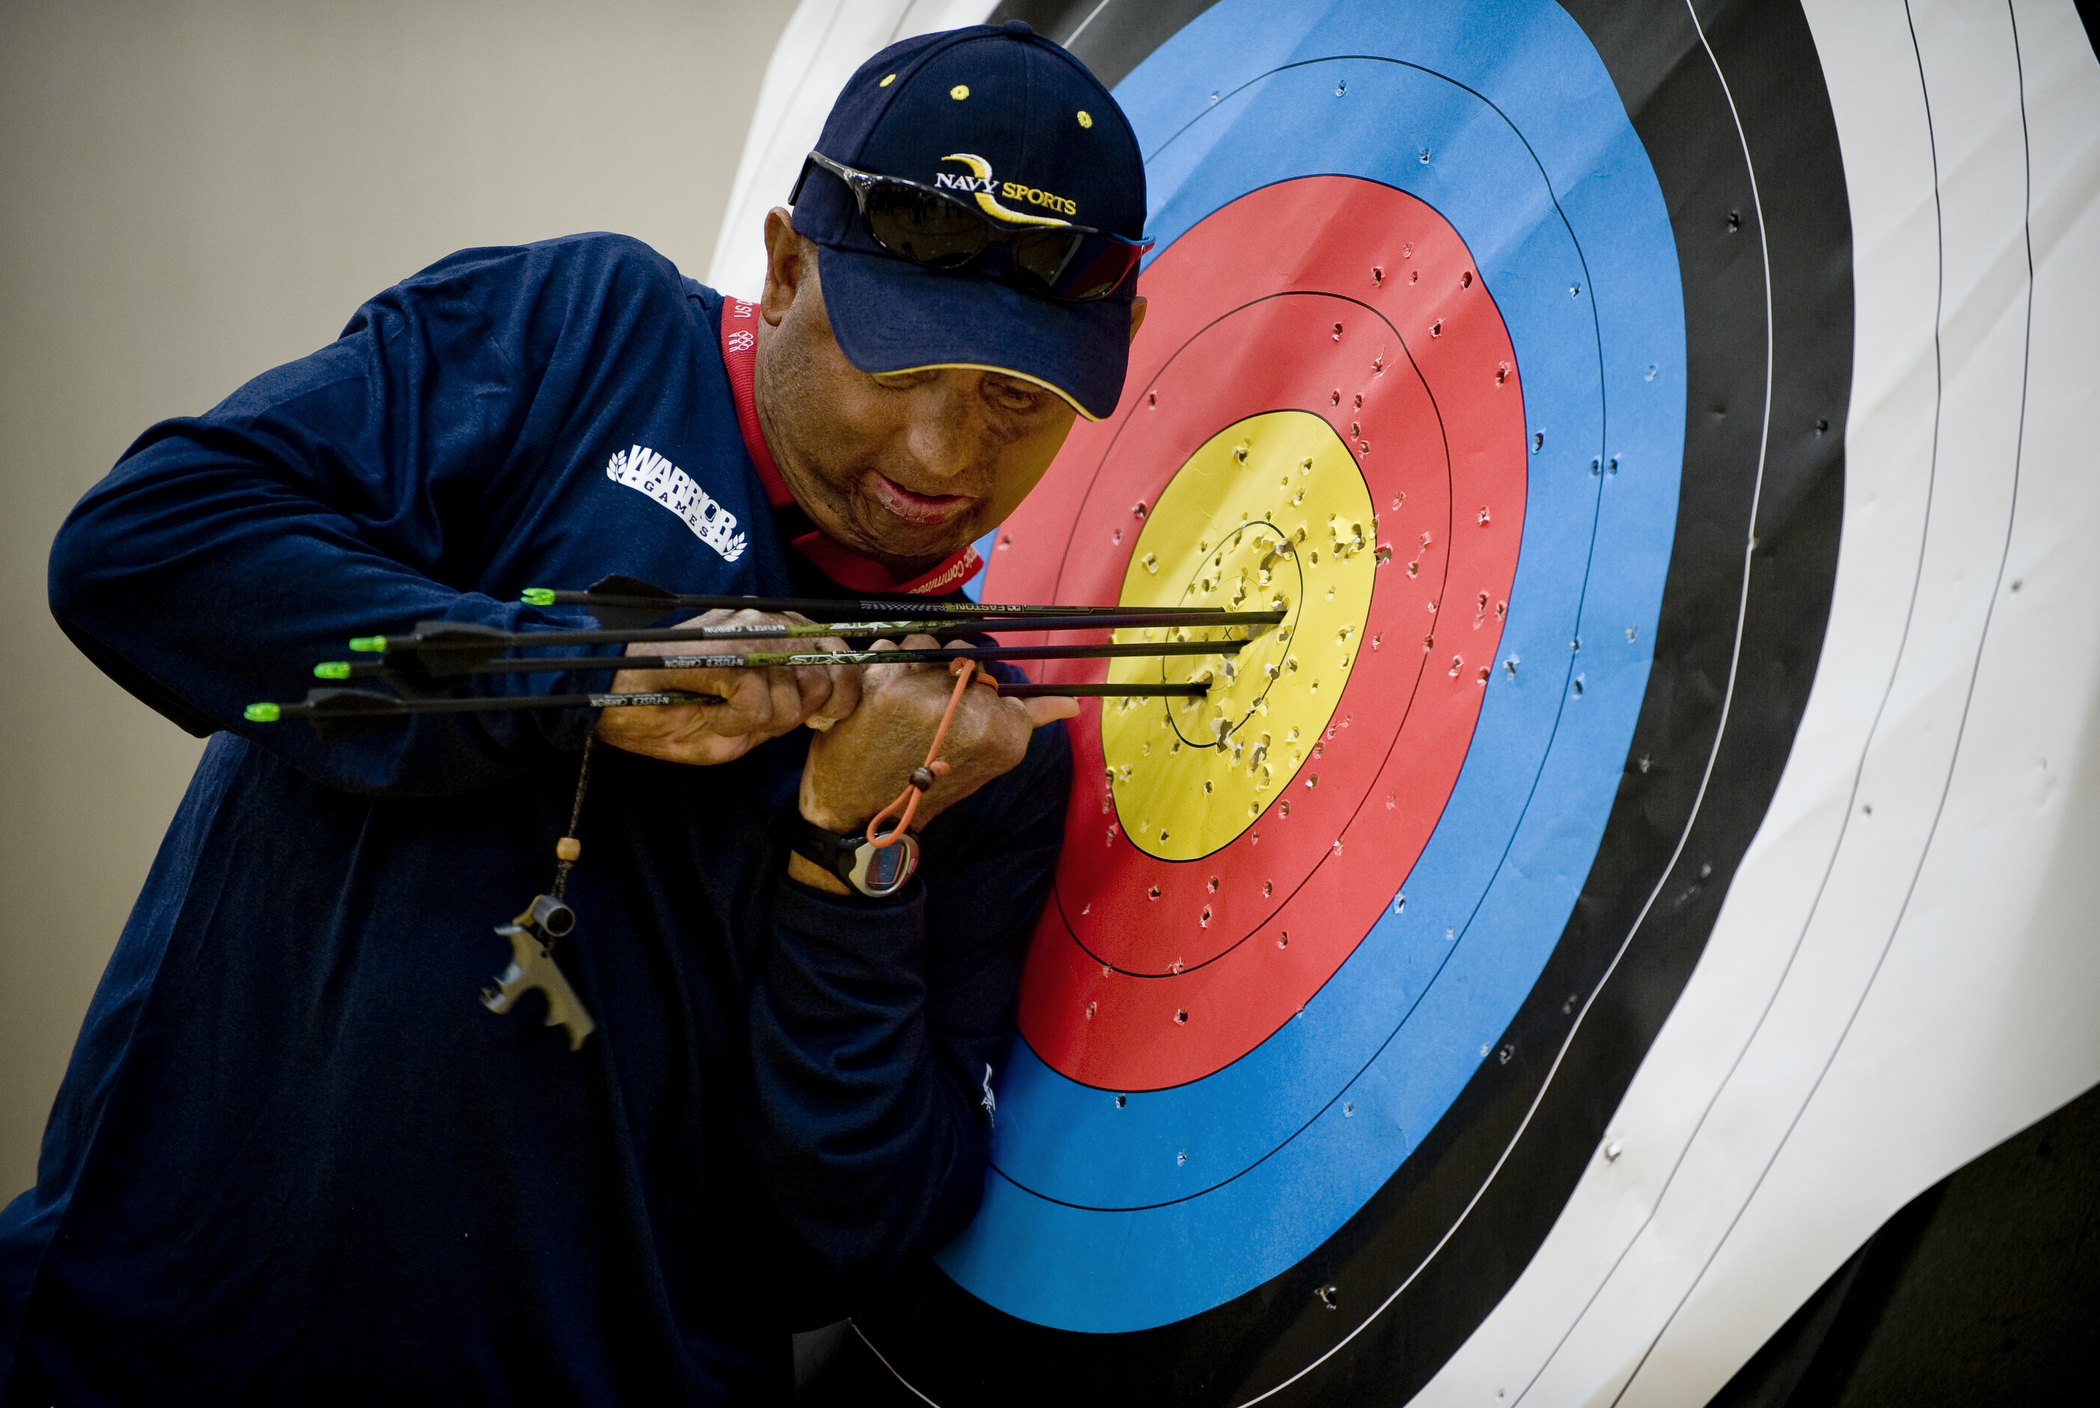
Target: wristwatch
pixel 875 871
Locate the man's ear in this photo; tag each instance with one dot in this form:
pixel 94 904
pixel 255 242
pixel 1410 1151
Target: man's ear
pixel 785 266
pixel 1137 315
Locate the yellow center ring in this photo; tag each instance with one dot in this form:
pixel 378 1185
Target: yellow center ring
pixel 1269 513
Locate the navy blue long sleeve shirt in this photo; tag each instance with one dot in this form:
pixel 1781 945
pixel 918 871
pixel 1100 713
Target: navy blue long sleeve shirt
pixel 294 1159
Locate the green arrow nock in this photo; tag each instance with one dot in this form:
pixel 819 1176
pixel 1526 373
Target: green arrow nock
pixel 262 713
pixel 538 596
pixel 370 645
pixel 332 670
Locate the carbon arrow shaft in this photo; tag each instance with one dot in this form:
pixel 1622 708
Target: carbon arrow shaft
pixel 773 659
pixel 639 596
pixel 434 636
pixel 347 704
pixel 360 703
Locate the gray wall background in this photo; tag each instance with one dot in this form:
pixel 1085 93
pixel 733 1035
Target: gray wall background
pixel 192 191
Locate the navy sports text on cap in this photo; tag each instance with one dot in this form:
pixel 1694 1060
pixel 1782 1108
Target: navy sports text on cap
pixel 1003 118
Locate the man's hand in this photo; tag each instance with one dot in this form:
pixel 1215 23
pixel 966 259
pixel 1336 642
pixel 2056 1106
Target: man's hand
pixel 859 767
pixel 757 704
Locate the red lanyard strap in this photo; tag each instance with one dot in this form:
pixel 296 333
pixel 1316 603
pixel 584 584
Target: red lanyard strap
pixel 935 767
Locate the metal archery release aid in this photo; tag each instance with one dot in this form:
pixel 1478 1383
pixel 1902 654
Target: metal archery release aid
pixel 533 933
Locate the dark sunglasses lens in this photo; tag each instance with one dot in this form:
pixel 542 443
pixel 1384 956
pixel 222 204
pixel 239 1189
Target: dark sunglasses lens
pixel 1042 256
pixel 1096 270
pixel 923 226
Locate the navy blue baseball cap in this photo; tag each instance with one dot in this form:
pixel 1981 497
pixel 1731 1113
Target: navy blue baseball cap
pixel 1008 123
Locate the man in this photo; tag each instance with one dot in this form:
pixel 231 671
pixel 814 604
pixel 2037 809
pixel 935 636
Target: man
pixel 294 1159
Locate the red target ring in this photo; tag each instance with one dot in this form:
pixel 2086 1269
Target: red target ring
pixel 1149 972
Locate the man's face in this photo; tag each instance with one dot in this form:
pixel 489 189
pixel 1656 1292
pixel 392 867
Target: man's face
pixel 904 468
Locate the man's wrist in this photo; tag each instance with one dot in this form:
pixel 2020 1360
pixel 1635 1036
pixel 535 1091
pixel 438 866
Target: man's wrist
pixel 817 814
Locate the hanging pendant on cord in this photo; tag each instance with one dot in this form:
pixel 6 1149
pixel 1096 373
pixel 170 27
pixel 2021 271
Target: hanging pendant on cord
pixel 533 934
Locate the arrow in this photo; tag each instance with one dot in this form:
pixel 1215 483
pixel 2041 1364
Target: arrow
pixel 349 705
pixel 630 601
pixel 479 664
pixel 364 703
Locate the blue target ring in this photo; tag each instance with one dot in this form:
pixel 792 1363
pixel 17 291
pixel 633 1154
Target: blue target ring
pixel 1110 1217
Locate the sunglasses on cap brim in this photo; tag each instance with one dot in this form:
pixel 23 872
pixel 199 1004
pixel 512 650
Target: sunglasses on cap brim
pixel 929 227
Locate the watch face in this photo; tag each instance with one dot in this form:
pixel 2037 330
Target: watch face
pixel 883 871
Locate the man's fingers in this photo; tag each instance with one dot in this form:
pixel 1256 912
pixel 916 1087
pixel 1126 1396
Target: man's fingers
pixel 1043 709
pixel 757 704
pixel 747 702
pixel 842 690
pixel 785 688
pixel 842 698
pixel 813 687
pixel 877 677
pixel 1049 708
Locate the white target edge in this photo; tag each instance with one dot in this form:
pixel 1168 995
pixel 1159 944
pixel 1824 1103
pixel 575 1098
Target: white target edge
pixel 1889 993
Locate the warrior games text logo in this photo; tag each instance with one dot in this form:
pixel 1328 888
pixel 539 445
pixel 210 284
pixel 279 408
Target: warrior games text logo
pixel 644 469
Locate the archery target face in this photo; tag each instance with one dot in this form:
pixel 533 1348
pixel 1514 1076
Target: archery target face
pixel 1427 397
pixel 1294 1125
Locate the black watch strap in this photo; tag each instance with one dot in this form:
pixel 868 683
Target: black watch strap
pixel 875 871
